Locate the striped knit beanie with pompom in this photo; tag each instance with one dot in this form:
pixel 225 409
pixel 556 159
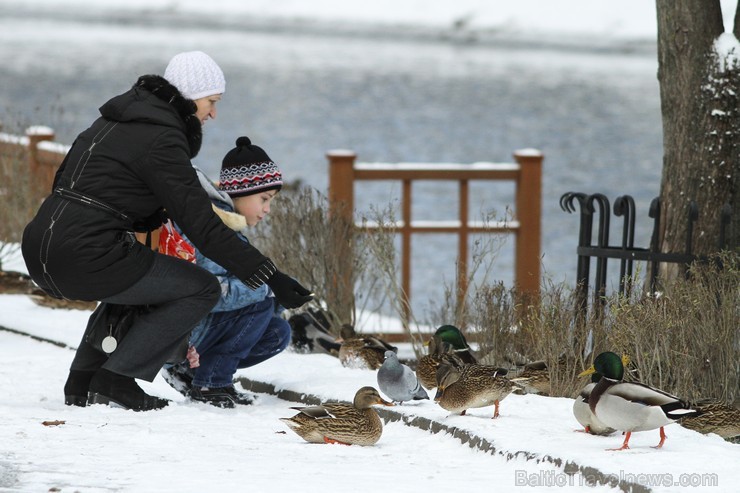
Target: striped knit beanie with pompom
pixel 247 169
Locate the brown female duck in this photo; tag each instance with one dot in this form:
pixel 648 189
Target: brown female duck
pixel 356 424
pixel 472 386
pixel 438 353
pixel 716 417
pixel 362 351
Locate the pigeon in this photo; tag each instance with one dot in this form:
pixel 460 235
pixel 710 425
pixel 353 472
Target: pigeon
pixel 398 381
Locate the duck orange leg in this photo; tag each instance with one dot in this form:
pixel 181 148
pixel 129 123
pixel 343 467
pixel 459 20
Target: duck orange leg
pixel 662 438
pixel 625 445
pixel 495 412
pixel 331 440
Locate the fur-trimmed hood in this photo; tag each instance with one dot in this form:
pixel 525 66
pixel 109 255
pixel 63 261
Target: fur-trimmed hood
pixel 222 204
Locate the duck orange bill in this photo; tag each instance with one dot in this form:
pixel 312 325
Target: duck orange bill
pixel 384 402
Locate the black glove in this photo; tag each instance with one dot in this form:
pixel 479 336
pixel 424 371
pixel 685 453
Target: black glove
pixel 288 291
pixel 152 222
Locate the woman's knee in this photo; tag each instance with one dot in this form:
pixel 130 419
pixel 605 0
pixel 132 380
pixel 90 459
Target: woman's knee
pixel 211 291
pixel 205 290
pixel 214 288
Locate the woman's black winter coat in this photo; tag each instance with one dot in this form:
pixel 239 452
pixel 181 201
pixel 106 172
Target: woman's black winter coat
pixel 135 159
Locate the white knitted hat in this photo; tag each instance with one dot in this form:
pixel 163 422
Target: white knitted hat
pixel 195 74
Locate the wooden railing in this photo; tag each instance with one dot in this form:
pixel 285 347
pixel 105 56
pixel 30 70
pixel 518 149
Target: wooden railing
pixel 43 155
pixel 526 172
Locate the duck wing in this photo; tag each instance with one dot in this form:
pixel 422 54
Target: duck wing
pixel 672 406
pixel 317 412
pixel 377 343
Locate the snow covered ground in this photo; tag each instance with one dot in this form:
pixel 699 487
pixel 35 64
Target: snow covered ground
pixel 195 447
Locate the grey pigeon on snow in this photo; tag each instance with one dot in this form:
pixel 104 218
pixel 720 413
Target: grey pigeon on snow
pixel 398 381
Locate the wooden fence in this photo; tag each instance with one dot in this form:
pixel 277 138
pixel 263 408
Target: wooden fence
pixel 526 173
pixel 43 155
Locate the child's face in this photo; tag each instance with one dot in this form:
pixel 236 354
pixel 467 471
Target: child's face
pixel 255 207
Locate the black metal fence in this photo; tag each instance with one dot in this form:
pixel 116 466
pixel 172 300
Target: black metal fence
pixel 627 253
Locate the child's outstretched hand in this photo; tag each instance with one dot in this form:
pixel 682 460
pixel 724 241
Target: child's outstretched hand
pixel 288 291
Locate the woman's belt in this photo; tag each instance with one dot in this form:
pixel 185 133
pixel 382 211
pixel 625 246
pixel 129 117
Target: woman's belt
pixel 81 198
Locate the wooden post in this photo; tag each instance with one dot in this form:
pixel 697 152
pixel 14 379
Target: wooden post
pixel 341 182
pixel 41 178
pixel 529 212
pixel 341 207
pixel 462 245
pixel 406 253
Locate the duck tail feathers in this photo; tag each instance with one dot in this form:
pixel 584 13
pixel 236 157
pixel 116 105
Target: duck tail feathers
pixel 679 409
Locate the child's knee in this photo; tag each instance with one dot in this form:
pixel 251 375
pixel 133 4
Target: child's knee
pixel 283 332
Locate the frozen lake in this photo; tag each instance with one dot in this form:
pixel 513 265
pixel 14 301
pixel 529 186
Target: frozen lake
pixel 593 112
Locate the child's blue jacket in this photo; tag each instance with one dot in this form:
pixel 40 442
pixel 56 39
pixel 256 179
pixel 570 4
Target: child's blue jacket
pixel 234 293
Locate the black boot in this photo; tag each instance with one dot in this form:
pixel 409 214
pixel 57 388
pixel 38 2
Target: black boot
pixel 241 398
pixel 75 390
pixel 111 388
pixel 218 397
pixel 178 378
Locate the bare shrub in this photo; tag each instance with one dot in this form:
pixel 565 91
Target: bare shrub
pixel 477 304
pixel 384 287
pixel 686 340
pixel 17 201
pixel 493 324
pixel 325 252
pixel 554 332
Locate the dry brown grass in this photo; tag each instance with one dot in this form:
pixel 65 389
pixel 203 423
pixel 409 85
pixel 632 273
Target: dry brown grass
pixel 685 341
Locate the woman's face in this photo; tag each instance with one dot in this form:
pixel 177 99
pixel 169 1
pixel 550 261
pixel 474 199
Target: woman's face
pixel 254 207
pixel 206 107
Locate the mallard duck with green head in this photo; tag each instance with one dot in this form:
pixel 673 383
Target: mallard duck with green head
pixel 582 411
pixel 460 389
pixel 347 424
pixel 361 351
pixel 438 353
pixel 455 338
pixel 631 406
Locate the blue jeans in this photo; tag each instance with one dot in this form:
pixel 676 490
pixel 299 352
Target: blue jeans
pixel 239 339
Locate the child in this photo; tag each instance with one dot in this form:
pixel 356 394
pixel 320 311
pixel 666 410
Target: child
pixel 244 328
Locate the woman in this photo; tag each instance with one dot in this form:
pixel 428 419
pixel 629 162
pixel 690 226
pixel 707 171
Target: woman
pixel 120 175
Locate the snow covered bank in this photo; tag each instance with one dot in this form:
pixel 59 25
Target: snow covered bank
pixel 193 447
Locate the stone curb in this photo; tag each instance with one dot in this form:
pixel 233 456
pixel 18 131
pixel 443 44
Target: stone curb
pixel 592 475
